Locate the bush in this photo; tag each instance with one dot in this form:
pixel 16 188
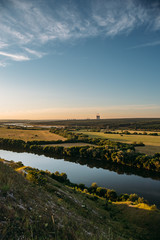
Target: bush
pixel 101 191
pixel 60 177
pixel 81 186
pixel 124 197
pixel 111 195
pixel 85 190
pixel 133 197
pixel 94 185
pixel 36 177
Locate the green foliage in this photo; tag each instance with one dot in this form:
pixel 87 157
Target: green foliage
pixel 111 195
pixel 133 197
pixel 141 200
pixel 101 191
pixel 61 177
pixel 124 197
pixel 36 176
pixel 82 186
pixel 105 150
pixel 94 185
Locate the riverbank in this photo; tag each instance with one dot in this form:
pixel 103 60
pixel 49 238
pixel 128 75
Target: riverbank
pixel 89 171
pixel 122 154
pixel 54 211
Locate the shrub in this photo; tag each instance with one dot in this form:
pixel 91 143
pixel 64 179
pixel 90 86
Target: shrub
pixel 94 185
pixel 133 197
pixel 101 191
pixel 153 207
pixel 141 200
pixel 85 190
pixel 36 177
pixel 63 176
pixel 111 195
pixel 81 186
pixel 124 197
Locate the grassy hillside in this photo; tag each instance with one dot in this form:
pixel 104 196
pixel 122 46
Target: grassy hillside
pixel 54 211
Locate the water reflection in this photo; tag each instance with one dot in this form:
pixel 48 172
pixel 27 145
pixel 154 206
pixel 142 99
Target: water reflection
pixel 118 177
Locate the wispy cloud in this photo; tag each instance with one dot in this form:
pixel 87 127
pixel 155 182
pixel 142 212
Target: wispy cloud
pixel 35 53
pixel 15 57
pixel 119 16
pixel 3 45
pixel 29 25
pixel 149 44
pixel 3 64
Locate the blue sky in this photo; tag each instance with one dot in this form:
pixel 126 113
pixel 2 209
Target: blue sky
pixel 76 58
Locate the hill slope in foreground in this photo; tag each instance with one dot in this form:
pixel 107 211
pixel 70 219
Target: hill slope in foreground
pixel 30 211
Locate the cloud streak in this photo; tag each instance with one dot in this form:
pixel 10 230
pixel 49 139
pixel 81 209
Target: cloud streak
pixel 149 44
pixel 28 26
pixel 35 53
pixel 14 57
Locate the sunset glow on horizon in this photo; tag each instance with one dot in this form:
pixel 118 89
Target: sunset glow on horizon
pixel 74 59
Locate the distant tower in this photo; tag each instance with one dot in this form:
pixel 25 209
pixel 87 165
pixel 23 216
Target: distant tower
pixel 98 116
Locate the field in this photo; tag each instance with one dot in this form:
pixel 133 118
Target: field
pixel 149 150
pixel 137 131
pixel 66 145
pixel 29 135
pixel 152 142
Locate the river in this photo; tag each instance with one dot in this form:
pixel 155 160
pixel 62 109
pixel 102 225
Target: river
pixel 121 182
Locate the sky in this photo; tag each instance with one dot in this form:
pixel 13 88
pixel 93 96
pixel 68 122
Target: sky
pixel 72 59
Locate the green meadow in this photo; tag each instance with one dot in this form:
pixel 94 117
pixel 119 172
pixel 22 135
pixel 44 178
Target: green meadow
pixel 152 143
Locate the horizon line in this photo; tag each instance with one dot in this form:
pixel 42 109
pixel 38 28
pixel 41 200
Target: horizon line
pixel 78 119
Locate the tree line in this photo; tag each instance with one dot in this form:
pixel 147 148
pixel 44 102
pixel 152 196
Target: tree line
pixel 107 153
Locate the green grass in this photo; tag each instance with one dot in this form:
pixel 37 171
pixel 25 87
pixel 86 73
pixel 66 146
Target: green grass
pixel 54 211
pixel 152 142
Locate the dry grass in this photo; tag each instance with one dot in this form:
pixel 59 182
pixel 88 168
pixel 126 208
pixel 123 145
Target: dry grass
pixel 29 135
pixel 149 150
pixel 66 145
pixel 143 206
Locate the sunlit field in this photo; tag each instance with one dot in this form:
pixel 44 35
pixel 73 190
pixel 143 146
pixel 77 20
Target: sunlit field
pixel 152 142
pixel 29 135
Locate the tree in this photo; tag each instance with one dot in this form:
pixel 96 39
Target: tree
pixel 111 195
